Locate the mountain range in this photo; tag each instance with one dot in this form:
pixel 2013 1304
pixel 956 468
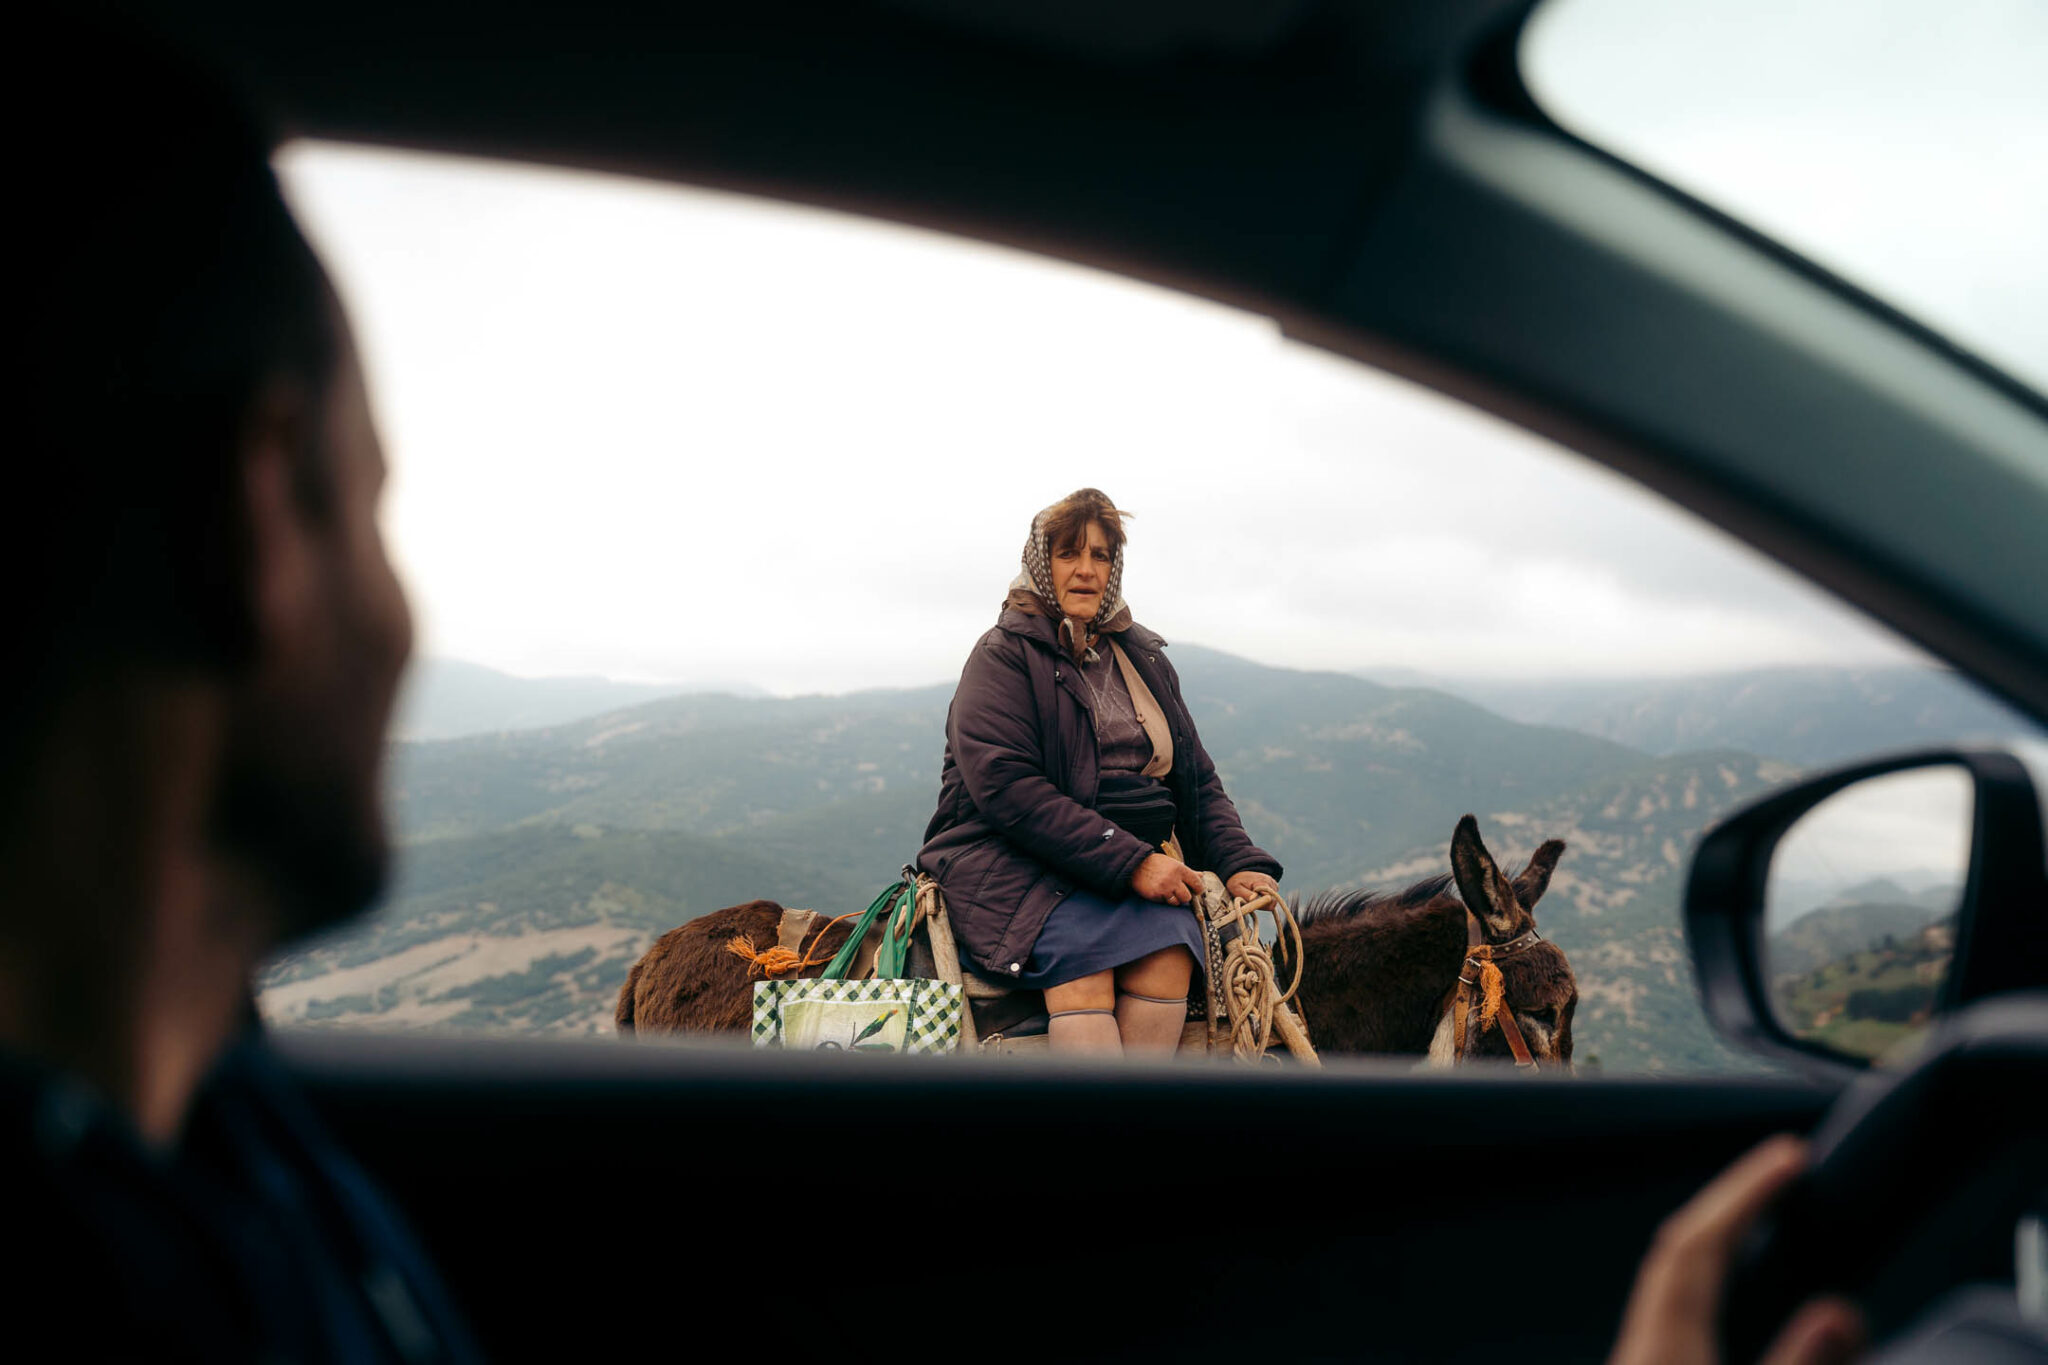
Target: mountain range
pixel 537 863
pixel 1856 921
pixel 1809 716
pixel 448 698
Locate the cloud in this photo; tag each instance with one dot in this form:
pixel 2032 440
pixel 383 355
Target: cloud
pixel 658 432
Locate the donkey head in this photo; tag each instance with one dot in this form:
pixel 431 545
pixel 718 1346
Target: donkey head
pixel 1539 986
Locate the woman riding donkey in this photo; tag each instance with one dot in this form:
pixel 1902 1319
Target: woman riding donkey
pixel 1077 802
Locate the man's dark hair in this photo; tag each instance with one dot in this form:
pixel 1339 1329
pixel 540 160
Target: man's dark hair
pixel 166 285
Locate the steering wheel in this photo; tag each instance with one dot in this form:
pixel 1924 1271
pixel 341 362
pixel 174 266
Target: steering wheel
pixel 1918 1176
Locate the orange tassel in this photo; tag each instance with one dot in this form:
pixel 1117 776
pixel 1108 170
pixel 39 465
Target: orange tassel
pixel 781 961
pixel 1492 991
pixel 776 961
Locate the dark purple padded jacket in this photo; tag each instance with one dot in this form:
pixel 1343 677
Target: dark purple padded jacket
pixel 1015 829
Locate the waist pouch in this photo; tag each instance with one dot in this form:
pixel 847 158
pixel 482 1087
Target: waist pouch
pixel 1139 804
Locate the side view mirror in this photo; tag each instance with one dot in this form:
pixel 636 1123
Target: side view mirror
pixel 1833 920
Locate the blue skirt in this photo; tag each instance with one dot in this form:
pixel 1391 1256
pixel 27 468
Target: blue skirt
pixel 1087 933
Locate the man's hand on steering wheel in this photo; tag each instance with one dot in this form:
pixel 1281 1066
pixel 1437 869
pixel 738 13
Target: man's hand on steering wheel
pixel 1244 885
pixel 1673 1316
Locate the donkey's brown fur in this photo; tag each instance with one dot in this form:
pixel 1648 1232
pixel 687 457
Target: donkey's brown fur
pixel 1378 970
pixel 689 981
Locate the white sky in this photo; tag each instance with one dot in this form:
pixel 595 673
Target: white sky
pixel 657 432
pixel 1913 828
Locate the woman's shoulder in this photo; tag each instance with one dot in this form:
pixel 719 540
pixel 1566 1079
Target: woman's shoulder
pixel 1136 636
pixel 997 672
pixel 1015 631
pixel 999 642
pixel 1147 649
pixel 994 640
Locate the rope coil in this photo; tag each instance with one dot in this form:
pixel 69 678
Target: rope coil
pixel 1250 982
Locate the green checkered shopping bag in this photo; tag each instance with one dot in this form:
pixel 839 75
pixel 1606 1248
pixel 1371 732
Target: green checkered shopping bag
pixel 887 1012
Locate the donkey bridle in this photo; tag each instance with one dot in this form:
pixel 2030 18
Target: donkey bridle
pixel 1478 952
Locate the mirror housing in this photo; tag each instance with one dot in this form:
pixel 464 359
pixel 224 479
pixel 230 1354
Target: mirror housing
pixel 2001 940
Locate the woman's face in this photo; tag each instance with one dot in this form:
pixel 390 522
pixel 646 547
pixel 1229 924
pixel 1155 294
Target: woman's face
pixel 1080 573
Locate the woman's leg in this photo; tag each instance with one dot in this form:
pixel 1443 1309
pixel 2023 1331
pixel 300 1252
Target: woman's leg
pixel 1152 1000
pixel 1083 1015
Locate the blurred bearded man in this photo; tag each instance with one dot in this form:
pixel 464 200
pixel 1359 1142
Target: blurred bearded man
pixel 207 640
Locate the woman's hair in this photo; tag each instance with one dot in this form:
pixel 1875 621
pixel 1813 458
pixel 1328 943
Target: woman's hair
pixel 1066 521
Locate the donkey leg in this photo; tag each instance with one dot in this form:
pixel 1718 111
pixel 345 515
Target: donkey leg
pixel 1152 1001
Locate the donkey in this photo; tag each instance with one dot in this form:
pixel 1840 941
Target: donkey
pixel 1380 972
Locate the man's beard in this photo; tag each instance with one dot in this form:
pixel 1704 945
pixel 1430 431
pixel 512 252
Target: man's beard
pixel 305 820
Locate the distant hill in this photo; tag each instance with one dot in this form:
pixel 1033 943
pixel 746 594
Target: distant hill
pixel 527 928
pixel 446 698
pixel 1871 996
pixel 1856 924
pixel 710 764
pixel 1792 897
pixel 1333 773
pixel 1809 716
pixel 538 863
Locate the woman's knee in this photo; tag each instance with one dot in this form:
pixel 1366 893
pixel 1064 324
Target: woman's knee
pixel 1096 991
pixel 1166 973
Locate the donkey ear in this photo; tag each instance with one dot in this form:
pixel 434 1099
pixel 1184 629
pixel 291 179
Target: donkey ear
pixel 1535 878
pixel 1486 893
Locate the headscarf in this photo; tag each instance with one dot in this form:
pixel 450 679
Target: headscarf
pixel 1032 592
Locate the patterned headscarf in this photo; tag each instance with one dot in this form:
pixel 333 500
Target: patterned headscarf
pixel 1032 591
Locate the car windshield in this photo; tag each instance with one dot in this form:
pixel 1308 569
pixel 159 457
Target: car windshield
pixel 1901 144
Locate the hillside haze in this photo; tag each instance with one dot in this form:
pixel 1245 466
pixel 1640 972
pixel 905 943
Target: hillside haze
pixel 1808 716
pixel 537 864
pixel 446 698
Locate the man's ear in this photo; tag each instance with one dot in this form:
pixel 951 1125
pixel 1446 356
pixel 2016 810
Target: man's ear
pixel 279 561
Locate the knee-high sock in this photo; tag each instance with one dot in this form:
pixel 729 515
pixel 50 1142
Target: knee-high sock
pixel 1079 1031
pixel 1149 1024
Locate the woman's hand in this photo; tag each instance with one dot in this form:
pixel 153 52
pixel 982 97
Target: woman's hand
pixel 1244 885
pixel 1160 878
pixel 1673 1316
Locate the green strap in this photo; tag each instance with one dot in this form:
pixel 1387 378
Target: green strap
pixel 842 961
pixel 892 956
